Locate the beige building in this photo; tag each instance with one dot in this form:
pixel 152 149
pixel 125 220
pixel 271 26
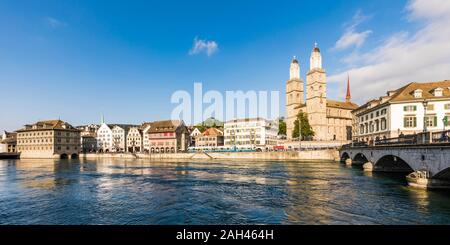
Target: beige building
pixel 330 120
pixel 212 137
pixel 413 108
pixel 48 139
pixel 135 140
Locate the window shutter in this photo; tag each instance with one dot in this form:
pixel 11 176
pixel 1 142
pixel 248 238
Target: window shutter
pixel 435 122
pixel 415 122
pixel 404 122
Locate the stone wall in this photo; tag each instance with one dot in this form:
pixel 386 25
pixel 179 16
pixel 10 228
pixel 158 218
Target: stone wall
pixel 328 155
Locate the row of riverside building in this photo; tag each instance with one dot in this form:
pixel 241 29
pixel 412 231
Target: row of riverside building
pixel 59 139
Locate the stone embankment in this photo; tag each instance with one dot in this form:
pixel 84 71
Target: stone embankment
pixel 325 154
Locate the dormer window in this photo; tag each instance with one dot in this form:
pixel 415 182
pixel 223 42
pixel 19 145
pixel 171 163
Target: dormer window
pixel 418 93
pixel 437 92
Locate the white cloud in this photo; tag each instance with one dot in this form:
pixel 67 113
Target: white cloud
pixel 351 37
pixel 54 23
pixel 404 57
pixel 203 46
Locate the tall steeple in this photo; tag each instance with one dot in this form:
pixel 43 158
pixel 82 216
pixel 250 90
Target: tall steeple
pixel 316 58
pixel 102 120
pixel 294 69
pixel 348 95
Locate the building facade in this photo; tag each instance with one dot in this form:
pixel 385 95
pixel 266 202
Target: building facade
pixel 135 140
pixel 194 133
pixel 48 139
pixel 8 142
pixel 170 136
pixel 411 109
pixel 104 138
pixel 88 143
pixel 251 132
pixel 330 120
pixel 212 137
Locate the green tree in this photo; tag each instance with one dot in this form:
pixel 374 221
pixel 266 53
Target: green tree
pixel 306 129
pixel 281 127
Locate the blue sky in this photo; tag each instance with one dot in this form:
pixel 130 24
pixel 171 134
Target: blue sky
pixel 78 60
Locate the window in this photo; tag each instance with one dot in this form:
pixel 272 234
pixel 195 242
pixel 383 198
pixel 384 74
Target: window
pixel 383 112
pixel 409 122
pixel 430 107
pixel 431 121
pixel 418 93
pixel 410 108
pixel 383 124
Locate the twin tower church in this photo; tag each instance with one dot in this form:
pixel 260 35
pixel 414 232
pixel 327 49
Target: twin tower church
pixel 330 120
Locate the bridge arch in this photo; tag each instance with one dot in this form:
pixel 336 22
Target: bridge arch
pixel 345 156
pixel 360 158
pixel 63 156
pixel 444 174
pixel 392 163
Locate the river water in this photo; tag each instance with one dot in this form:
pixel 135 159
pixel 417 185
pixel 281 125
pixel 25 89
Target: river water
pixel 210 192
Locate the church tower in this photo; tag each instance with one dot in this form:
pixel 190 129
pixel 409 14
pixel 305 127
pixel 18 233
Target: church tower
pixel 294 96
pixel 316 95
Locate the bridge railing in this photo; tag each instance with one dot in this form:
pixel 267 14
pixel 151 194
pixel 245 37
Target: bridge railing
pixel 412 139
pixel 440 137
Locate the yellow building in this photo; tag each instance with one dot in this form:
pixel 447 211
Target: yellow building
pixel 48 139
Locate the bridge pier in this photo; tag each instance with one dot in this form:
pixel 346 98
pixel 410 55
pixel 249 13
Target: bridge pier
pixel 348 162
pixel 368 167
pixel 421 179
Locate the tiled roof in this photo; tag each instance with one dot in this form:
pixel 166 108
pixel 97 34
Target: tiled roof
pixel 164 126
pixel 212 132
pixel 49 124
pixel 407 92
pixel 341 105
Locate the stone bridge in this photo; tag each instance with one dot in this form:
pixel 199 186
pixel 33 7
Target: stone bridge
pixel 427 166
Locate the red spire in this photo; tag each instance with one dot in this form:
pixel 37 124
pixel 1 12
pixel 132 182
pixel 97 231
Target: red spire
pixel 348 96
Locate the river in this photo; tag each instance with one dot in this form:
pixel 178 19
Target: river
pixel 114 191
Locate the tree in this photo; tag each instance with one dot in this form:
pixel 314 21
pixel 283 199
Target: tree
pixel 306 129
pixel 281 127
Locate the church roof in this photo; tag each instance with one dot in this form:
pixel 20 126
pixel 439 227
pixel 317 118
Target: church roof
pixel 342 105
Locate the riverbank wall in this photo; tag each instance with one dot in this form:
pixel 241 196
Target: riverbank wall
pixel 323 154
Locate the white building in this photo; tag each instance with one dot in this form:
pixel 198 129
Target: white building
pixel 251 132
pixel 104 138
pixel 193 136
pixel 402 112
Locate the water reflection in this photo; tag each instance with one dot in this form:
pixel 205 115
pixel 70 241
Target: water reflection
pixel 116 191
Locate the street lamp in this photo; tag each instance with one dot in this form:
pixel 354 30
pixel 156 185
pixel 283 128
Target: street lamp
pixel 425 121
